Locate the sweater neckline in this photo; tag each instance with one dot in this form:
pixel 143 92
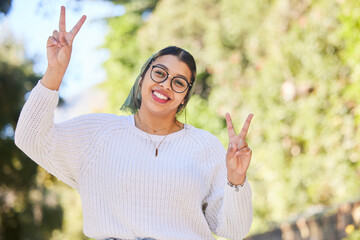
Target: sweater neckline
pixel 156 137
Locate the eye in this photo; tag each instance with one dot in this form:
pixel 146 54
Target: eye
pixel 160 73
pixel 179 82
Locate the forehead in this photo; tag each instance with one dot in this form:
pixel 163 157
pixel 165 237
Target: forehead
pixel 174 65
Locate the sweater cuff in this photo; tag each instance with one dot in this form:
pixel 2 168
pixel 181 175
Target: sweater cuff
pixel 236 201
pixel 42 94
pixel 245 188
pixel 45 88
pixel 237 211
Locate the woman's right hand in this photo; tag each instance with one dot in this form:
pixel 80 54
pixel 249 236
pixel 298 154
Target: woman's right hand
pixel 59 47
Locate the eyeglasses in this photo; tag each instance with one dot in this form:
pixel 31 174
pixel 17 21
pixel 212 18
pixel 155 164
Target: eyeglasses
pixel 178 84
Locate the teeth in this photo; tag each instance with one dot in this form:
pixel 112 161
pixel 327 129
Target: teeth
pixel 160 95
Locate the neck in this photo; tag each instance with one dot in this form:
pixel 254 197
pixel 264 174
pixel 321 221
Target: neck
pixel 157 124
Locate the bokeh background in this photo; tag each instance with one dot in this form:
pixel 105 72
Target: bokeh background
pixel 293 63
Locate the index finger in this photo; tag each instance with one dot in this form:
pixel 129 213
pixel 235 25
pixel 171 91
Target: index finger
pixel 62 26
pixel 230 127
pixel 246 126
pixel 78 25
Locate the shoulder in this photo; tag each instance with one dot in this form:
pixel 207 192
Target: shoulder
pixel 209 147
pixel 203 138
pixel 98 121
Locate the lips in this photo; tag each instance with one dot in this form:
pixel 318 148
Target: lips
pixel 160 96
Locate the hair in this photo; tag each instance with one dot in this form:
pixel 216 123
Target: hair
pixel 133 101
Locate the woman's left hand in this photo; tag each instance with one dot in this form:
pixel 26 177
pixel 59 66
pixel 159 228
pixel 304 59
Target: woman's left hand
pixel 238 155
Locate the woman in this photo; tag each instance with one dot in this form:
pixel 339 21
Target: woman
pixel 147 175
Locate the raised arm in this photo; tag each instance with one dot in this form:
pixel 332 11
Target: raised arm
pixel 59 48
pixel 228 209
pixel 55 147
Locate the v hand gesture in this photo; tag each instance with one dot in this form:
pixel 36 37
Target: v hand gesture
pixel 238 154
pixel 59 45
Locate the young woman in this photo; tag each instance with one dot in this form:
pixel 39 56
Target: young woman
pixel 146 175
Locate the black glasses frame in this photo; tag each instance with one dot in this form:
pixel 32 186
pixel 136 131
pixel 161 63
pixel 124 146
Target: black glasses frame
pixel 167 76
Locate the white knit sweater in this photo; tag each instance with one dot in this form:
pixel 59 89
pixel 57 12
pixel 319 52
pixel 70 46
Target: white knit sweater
pixel 126 191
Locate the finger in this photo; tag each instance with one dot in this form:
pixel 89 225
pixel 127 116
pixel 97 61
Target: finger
pixel 245 150
pixel 51 42
pixel 232 147
pixel 230 126
pixel 62 39
pixel 231 151
pixel 78 25
pixel 246 126
pixel 56 35
pixel 241 144
pixel 62 25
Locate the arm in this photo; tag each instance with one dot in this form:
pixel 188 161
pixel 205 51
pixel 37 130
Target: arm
pixel 229 213
pixel 57 148
pixel 51 145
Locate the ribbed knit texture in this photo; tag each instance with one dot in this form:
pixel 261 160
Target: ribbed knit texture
pixel 126 191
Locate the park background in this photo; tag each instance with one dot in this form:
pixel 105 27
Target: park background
pixel 293 63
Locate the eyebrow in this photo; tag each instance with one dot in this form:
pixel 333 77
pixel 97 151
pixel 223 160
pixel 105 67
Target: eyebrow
pixel 167 69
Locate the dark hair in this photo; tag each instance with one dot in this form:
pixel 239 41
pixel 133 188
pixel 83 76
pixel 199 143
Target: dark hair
pixel 133 101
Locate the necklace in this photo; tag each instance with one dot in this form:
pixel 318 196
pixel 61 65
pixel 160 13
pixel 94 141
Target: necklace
pixel 156 147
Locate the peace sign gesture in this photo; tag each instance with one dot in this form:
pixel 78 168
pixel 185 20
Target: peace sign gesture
pixel 59 45
pixel 239 154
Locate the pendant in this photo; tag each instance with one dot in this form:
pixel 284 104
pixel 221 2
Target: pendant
pixel 156 152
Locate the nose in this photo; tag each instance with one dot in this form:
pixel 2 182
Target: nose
pixel 167 83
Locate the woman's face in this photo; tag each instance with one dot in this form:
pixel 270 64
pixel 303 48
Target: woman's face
pixel 160 98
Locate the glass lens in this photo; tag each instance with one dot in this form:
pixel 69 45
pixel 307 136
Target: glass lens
pixel 158 74
pixel 179 84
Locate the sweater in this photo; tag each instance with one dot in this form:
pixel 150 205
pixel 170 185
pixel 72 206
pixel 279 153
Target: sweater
pixel 125 190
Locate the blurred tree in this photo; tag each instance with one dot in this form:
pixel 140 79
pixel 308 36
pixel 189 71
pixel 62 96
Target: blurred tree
pixel 5 6
pixel 33 205
pixel 24 200
pixel 122 40
pixel 291 63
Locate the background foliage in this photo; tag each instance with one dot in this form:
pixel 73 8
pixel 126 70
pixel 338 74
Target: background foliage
pixel 33 205
pixel 292 63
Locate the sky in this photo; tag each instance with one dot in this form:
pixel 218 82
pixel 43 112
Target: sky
pixel 32 22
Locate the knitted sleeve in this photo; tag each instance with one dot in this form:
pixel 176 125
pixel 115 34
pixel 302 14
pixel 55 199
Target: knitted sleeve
pixel 229 213
pixel 57 147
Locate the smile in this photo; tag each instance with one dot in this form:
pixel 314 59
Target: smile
pixel 160 98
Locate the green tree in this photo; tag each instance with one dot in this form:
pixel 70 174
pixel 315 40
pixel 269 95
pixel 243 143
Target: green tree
pixel 5 6
pixel 291 63
pixel 23 202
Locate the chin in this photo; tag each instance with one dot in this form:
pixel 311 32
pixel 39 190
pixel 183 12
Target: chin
pixel 162 111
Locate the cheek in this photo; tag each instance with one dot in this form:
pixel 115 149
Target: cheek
pixel 183 98
pixel 145 84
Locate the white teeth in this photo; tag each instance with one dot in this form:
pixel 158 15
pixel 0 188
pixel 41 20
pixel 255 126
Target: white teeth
pixel 160 95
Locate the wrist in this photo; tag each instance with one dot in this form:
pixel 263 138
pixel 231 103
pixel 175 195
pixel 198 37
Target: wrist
pixel 57 72
pixel 52 78
pixel 236 180
pixel 236 186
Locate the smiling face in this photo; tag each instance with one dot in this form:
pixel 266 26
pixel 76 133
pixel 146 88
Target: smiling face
pixel 159 98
